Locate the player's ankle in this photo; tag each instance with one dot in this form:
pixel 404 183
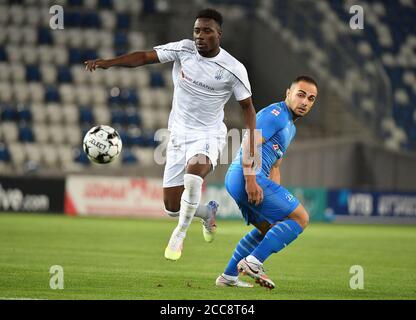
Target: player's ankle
pixel 253 259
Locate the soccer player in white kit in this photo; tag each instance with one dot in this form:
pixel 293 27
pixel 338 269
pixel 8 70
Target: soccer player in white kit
pixel 204 76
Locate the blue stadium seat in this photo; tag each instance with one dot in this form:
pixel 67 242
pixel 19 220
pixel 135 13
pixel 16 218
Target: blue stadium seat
pixel 105 4
pixel 120 39
pixel 125 138
pixel 72 18
pixel 118 116
pixel 156 79
pixel 135 138
pixel 149 6
pixel 75 3
pixel 90 20
pixel 8 113
pixel 3 54
pixel 52 94
pixel 128 157
pixel 32 73
pixel 4 153
pixel 44 36
pixel 123 21
pixel 86 116
pixel 75 56
pixel 133 117
pixel 129 96
pixel 81 157
pixel 26 134
pixel 24 114
pixel 64 74
pixel 89 54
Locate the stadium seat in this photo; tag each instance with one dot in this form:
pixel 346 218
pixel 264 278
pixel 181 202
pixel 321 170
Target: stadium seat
pixel 32 73
pixel 73 134
pixel 3 54
pixel 49 74
pixel 70 113
pixel 52 94
pixel 105 4
pixel 81 157
pixel 156 79
pixel 24 114
pixel 86 115
pixel 8 113
pixel 41 133
pixel 128 157
pixel 57 134
pixel 64 74
pixel 54 113
pixel 44 36
pixel 4 153
pixel 33 152
pixel 25 134
pixel 50 156
pixel 17 154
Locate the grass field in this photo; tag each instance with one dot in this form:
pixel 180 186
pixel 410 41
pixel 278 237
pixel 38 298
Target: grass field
pixel 107 258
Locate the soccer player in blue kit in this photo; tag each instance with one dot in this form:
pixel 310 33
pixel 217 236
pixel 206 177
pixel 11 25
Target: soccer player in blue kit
pixel 277 215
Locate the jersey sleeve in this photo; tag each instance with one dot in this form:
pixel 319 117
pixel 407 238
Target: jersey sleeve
pixel 170 51
pixel 242 87
pixel 270 121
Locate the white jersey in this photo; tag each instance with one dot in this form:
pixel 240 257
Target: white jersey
pixel 202 87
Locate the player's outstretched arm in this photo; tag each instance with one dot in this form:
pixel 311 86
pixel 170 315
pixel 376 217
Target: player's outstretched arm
pixel 130 60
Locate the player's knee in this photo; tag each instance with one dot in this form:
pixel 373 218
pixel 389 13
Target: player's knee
pixel 171 207
pixel 303 219
pixel 301 216
pixel 173 214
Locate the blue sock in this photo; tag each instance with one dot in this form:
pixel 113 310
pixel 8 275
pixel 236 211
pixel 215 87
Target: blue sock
pixel 246 245
pixel 278 237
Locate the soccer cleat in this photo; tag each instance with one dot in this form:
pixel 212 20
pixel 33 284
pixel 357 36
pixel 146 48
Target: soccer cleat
pixel 174 249
pixel 209 227
pixel 256 272
pixel 222 282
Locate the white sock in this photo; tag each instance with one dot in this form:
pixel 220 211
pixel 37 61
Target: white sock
pixel 190 200
pixel 172 214
pixel 253 259
pixel 203 211
pixel 231 278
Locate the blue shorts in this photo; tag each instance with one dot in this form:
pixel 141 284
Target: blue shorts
pixel 277 203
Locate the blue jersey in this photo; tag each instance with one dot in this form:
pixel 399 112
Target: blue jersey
pixel 277 128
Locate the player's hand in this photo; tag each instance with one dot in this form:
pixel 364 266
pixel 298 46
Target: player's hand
pixel 91 65
pixel 254 191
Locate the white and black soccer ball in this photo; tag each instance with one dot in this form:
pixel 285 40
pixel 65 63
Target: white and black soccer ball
pixel 102 144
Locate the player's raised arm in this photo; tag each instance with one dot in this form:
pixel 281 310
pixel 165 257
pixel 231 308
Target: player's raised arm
pixel 130 60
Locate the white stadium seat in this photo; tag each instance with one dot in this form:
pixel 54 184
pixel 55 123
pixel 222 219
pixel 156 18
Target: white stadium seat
pixel 41 133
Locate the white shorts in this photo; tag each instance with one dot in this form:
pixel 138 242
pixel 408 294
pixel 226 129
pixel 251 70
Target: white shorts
pixel 182 148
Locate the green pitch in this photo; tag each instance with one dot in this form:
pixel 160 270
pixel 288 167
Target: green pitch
pixel 105 258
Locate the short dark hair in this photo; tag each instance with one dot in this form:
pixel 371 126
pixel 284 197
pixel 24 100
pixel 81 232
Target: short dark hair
pixel 210 14
pixel 305 79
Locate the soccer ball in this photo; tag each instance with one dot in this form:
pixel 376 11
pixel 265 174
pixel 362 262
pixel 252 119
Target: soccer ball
pixel 102 144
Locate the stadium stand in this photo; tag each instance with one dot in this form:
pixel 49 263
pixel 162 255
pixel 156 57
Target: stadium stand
pixel 377 65
pixel 47 99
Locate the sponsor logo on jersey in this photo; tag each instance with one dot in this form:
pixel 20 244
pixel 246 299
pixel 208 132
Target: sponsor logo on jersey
pixel 289 197
pixel 276 147
pixel 219 74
